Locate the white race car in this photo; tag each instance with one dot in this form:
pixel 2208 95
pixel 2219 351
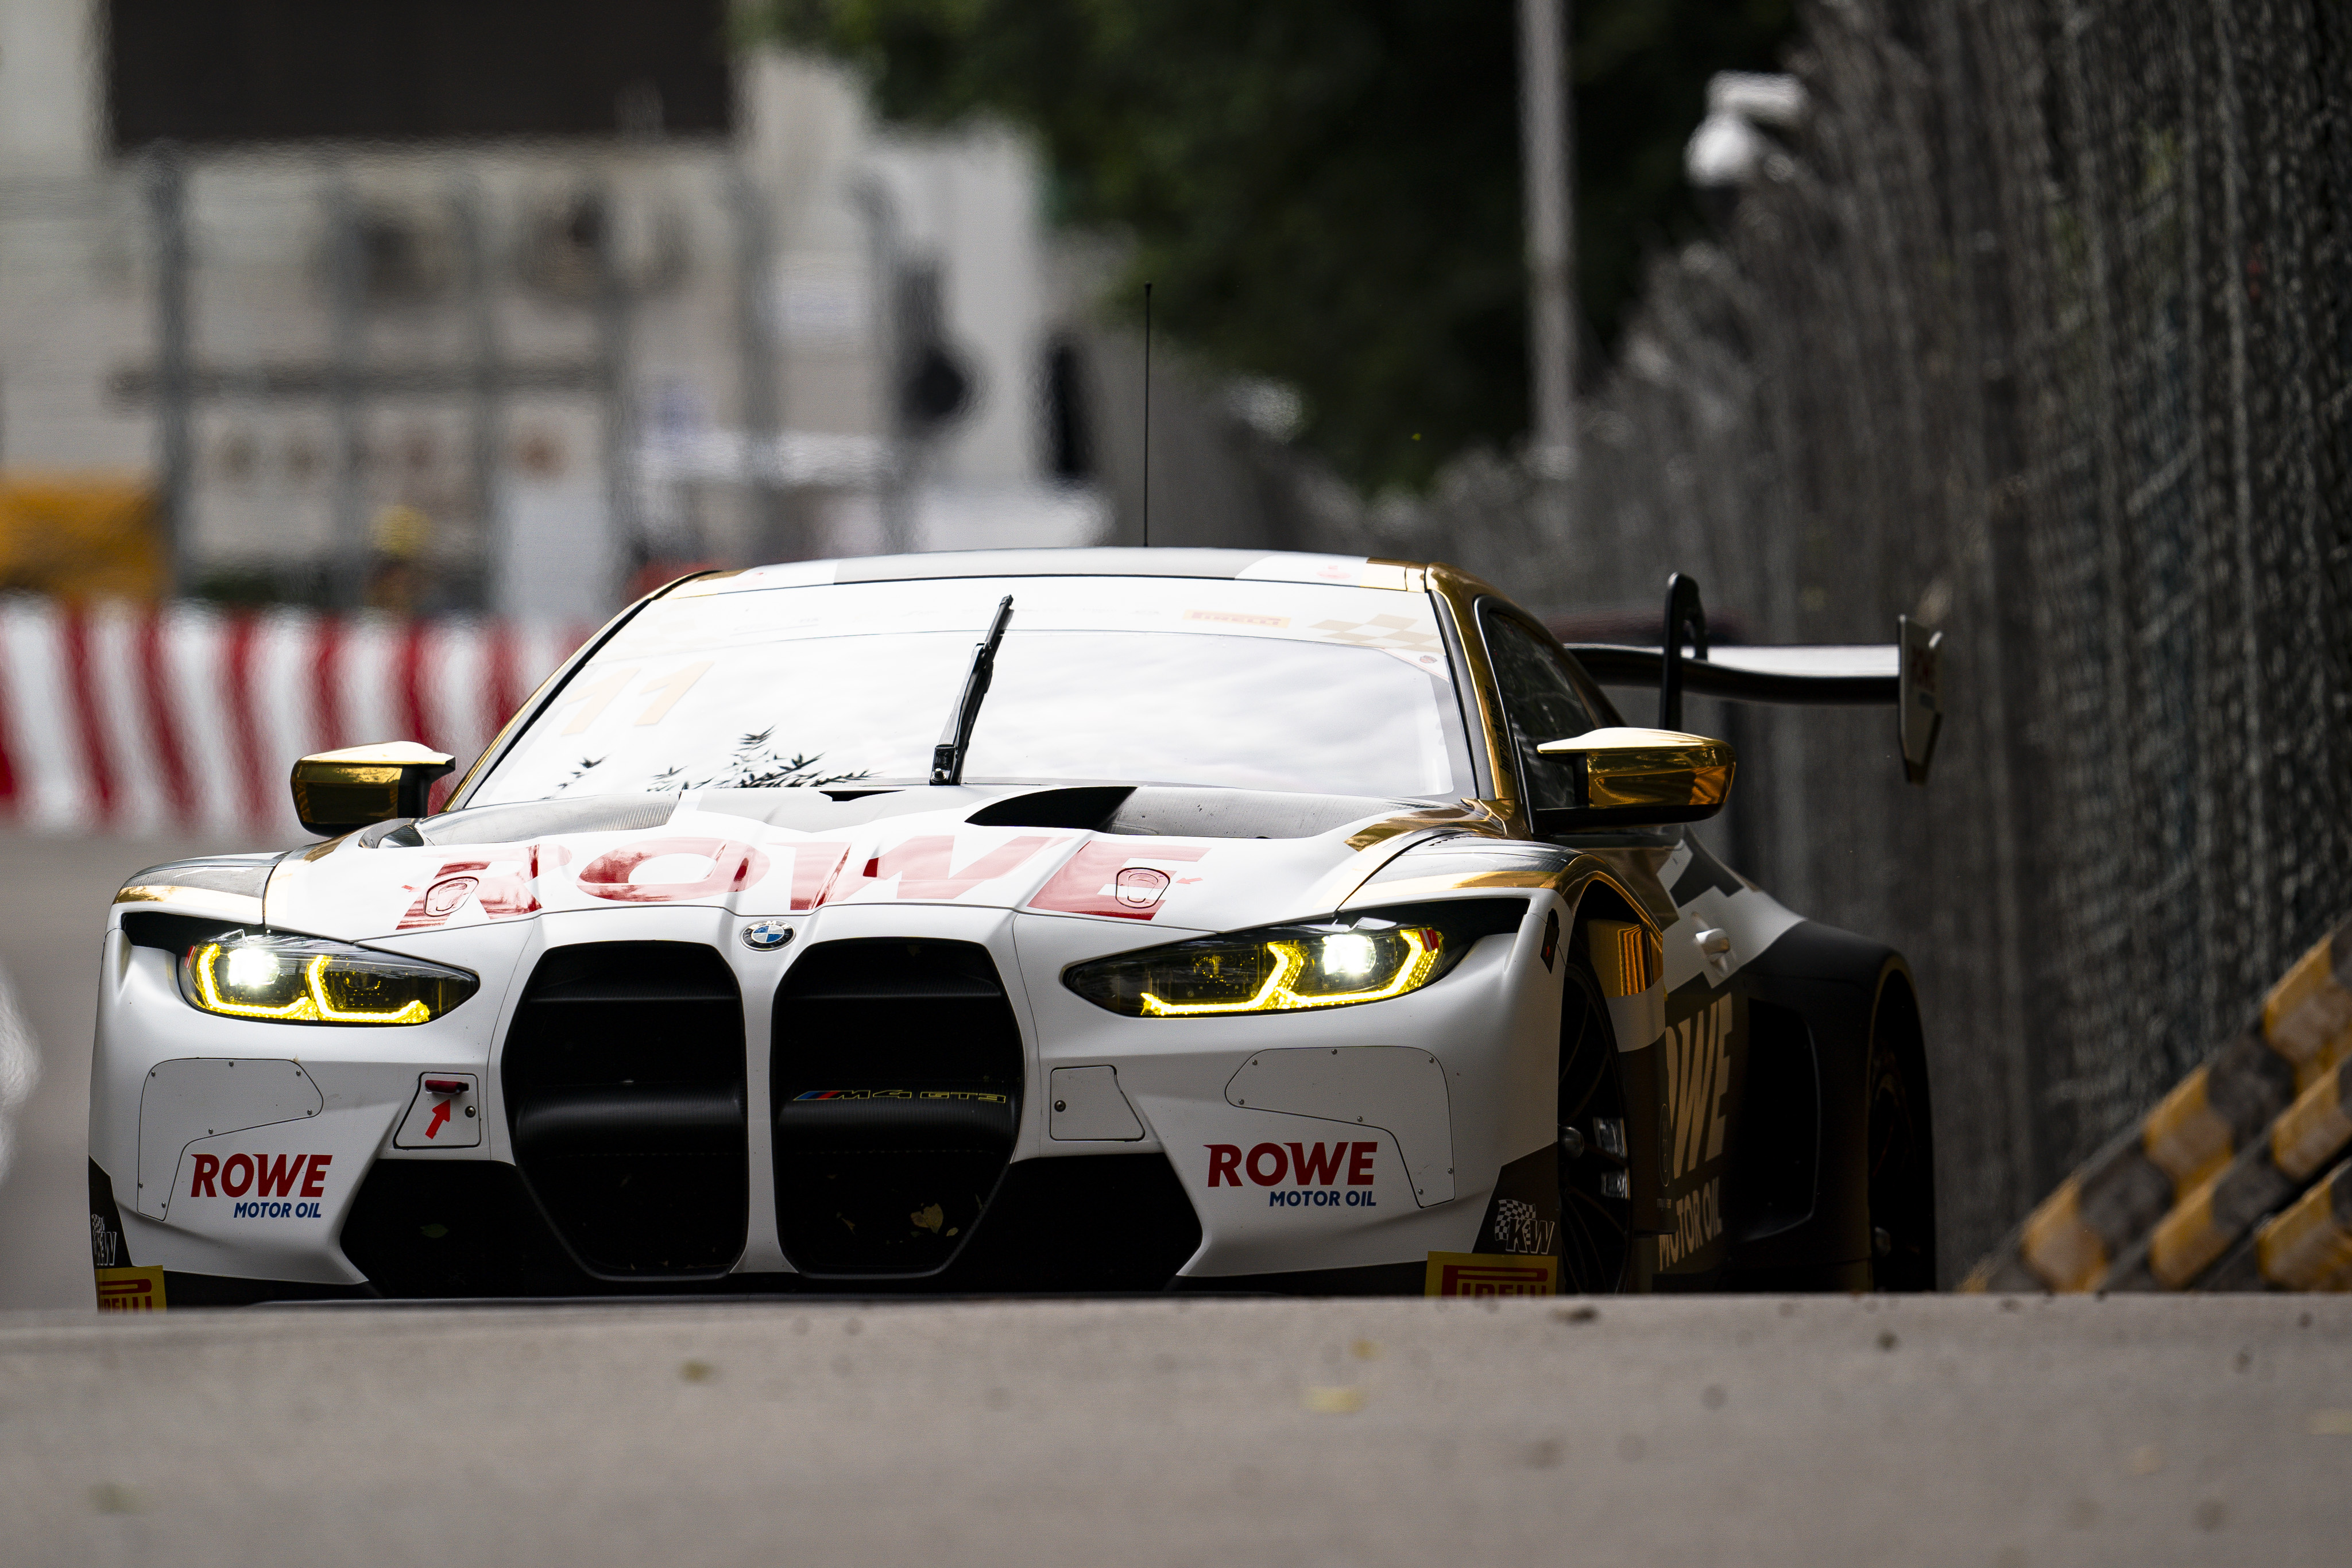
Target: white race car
pixel 1254 922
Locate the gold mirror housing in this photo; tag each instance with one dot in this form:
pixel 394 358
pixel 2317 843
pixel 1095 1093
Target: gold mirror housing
pixel 1639 778
pixel 338 792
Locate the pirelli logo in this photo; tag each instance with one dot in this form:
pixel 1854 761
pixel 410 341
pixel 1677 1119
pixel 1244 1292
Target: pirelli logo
pixel 129 1290
pixel 1491 1274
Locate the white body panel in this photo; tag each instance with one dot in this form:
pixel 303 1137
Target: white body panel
pixel 1454 1086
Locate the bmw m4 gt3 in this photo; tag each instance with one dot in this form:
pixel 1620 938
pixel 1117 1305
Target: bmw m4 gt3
pixel 1109 920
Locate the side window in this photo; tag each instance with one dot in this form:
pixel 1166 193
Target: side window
pixel 1540 703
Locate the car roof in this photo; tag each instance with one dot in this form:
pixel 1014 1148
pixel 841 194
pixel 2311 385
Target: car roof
pixel 1273 565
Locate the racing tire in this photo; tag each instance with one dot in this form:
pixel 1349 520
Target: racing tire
pixel 1900 1147
pixel 1595 1216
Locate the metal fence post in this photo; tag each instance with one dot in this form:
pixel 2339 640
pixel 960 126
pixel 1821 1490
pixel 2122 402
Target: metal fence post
pixel 167 193
pixel 346 291
pixel 487 404
pixel 613 355
pixel 1547 162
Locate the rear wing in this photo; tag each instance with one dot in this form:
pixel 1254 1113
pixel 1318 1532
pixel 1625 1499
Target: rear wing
pixel 1903 675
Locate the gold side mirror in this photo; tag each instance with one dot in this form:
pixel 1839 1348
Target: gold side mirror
pixel 337 791
pixel 1638 777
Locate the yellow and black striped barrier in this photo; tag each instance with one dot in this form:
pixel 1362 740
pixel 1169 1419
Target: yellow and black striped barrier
pixel 2308 1246
pixel 2166 1202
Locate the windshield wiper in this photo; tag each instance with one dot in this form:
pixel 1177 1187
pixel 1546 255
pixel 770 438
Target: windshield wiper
pixel 946 757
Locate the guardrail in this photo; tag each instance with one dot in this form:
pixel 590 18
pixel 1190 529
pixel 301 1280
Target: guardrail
pixel 2237 1180
pixel 128 719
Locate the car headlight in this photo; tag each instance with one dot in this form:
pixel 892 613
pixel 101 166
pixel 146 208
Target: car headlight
pixel 276 978
pixel 1362 958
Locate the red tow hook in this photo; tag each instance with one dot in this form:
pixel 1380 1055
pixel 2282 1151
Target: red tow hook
pixel 449 1087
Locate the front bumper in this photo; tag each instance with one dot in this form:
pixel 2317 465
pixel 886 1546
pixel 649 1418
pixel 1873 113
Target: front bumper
pixel 1346 1143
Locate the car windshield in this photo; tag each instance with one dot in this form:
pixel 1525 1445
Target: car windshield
pixel 1251 685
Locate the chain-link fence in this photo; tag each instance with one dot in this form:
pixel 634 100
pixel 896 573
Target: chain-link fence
pixel 2039 329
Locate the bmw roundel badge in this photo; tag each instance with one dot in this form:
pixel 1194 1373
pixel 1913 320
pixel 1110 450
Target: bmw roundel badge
pixel 766 935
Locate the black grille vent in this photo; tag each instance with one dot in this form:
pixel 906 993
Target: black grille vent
pixel 897 1070
pixel 623 1078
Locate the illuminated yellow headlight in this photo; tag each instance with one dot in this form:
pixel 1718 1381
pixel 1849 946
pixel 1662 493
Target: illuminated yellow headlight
pixel 273 978
pixel 1367 958
pixel 1300 973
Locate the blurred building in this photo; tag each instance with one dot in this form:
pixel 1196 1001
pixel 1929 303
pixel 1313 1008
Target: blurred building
pixel 505 305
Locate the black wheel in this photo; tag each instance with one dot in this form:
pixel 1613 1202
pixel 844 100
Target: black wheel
pixel 1595 1216
pixel 1901 1148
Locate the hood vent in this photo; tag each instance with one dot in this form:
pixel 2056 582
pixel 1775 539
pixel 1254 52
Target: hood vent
pixel 1166 810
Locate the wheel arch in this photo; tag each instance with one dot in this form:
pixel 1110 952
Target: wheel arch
pixel 1894 1009
pixel 1845 989
pixel 1628 1087
pixel 1897 1028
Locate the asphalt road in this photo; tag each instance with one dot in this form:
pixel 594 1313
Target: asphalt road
pixel 53 894
pixel 1952 1430
pixel 1956 1430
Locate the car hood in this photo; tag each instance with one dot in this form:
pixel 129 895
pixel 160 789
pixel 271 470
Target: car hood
pixel 1175 858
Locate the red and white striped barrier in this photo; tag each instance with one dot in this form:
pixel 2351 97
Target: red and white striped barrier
pixel 129 719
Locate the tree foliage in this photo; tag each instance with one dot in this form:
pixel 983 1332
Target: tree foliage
pixel 1325 192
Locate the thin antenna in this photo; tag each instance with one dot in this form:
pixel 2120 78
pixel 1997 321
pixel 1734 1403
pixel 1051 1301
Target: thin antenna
pixel 1146 416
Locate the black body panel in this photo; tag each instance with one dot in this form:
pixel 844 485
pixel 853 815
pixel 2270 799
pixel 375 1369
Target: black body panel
pixel 1818 989
pixel 896 1074
pixel 459 1227
pixel 1081 1223
pixel 1372 1279
pixel 448 1228
pixel 624 1085
pixel 1777 1175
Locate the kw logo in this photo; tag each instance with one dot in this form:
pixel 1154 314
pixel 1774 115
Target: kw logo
pixel 1521 1227
pixel 1699 1081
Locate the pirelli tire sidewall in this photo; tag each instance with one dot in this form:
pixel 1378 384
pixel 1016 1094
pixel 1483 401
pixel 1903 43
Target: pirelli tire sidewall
pixel 1596 1228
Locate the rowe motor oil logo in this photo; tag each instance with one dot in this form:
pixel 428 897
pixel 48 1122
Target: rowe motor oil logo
pixel 292 1177
pixel 1312 1170
pixel 1698 1071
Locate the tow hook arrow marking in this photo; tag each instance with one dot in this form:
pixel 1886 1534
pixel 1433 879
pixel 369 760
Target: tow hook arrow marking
pixel 440 1114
